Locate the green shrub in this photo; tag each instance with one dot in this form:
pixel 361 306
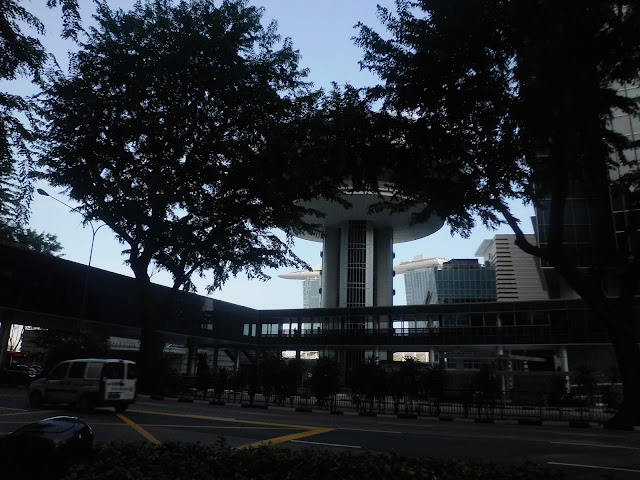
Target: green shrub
pixel 182 461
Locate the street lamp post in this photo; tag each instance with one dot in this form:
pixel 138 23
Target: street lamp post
pixel 94 231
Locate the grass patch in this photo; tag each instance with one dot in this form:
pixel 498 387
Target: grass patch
pixel 175 461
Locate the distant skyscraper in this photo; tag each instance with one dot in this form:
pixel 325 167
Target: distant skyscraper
pixel 311 297
pixel 518 275
pixel 461 281
pixel 311 285
pixel 415 277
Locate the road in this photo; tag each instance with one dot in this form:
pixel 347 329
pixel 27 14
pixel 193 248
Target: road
pixel 582 453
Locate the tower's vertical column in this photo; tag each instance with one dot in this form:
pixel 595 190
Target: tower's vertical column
pixel 330 267
pixel 384 267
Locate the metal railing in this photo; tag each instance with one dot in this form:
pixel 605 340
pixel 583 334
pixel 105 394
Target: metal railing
pixel 532 406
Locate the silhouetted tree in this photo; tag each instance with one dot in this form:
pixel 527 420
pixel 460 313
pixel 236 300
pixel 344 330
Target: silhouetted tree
pixel 181 126
pixel 370 381
pixel 62 345
pixel 325 379
pixel 23 55
pixel 484 90
pixel 435 381
pixel 271 373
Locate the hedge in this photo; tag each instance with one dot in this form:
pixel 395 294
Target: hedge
pixel 185 461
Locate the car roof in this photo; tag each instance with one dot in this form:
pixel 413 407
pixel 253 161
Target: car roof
pixel 105 360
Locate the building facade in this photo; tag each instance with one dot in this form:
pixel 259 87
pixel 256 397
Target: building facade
pixel 357 248
pixel 518 274
pixel 415 277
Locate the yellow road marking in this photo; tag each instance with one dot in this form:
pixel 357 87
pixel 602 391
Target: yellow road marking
pixel 228 420
pixel 139 429
pixel 169 425
pixel 28 412
pixel 286 438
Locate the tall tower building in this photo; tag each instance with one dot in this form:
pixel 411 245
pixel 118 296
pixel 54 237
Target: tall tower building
pixel 357 256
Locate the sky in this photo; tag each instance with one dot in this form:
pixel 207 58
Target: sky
pixel 322 31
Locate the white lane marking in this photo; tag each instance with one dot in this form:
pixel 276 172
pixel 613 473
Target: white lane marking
pixel 16 409
pixel 364 430
pixel 595 445
pixel 593 466
pixel 413 425
pixel 326 444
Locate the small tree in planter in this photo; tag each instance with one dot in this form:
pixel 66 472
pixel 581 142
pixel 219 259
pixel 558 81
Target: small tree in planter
pixel 294 371
pixel 220 382
pixel 325 380
pixel 203 375
pixel 487 390
pixel 408 379
pixel 435 381
pixel 249 380
pixel 270 372
pixel 370 381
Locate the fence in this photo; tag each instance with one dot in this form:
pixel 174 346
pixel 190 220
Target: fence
pixel 534 406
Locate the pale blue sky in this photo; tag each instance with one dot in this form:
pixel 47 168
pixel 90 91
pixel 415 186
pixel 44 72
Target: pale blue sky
pixel 322 31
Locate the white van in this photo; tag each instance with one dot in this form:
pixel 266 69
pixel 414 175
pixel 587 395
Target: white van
pixel 87 383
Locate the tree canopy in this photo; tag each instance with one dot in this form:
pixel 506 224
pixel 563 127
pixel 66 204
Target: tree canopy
pixel 183 127
pixel 504 99
pixel 173 127
pixel 22 55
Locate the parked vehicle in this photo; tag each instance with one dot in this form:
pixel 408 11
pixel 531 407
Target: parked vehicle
pixel 18 375
pixel 87 383
pixel 45 449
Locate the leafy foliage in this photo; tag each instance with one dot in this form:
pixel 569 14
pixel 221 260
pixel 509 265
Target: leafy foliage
pixel 503 99
pixel 183 128
pixel 22 55
pixel 325 378
pixel 63 345
pixel 170 129
pixel 143 460
pixel 29 239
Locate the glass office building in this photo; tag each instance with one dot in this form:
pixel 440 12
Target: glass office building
pixel 461 281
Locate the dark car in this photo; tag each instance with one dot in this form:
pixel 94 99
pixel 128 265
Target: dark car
pixel 18 375
pixel 46 448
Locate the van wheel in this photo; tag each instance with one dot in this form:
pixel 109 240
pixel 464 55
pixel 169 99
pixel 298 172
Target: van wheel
pixel 121 407
pixel 85 404
pixel 35 399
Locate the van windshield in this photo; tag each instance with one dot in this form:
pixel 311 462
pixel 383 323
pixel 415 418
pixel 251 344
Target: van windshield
pixel 114 371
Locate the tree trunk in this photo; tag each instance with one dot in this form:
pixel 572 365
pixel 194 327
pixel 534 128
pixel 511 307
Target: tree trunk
pixel 151 343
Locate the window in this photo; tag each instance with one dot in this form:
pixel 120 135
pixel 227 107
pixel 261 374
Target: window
pixel 58 372
pixel 94 370
pixel 114 370
pixel 131 371
pixel 77 369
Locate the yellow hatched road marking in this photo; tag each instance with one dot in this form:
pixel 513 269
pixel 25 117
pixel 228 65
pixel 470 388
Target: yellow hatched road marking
pixel 286 438
pixel 250 427
pixel 228 420
pixel 139 429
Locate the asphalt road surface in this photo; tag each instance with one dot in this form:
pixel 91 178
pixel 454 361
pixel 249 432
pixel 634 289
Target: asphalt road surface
pixel 592 453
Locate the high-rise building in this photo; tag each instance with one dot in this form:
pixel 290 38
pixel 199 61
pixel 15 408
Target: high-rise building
pixel 311 285
pixel 415 277
pixel 518 274
pixel 438 281
pixel 461 281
